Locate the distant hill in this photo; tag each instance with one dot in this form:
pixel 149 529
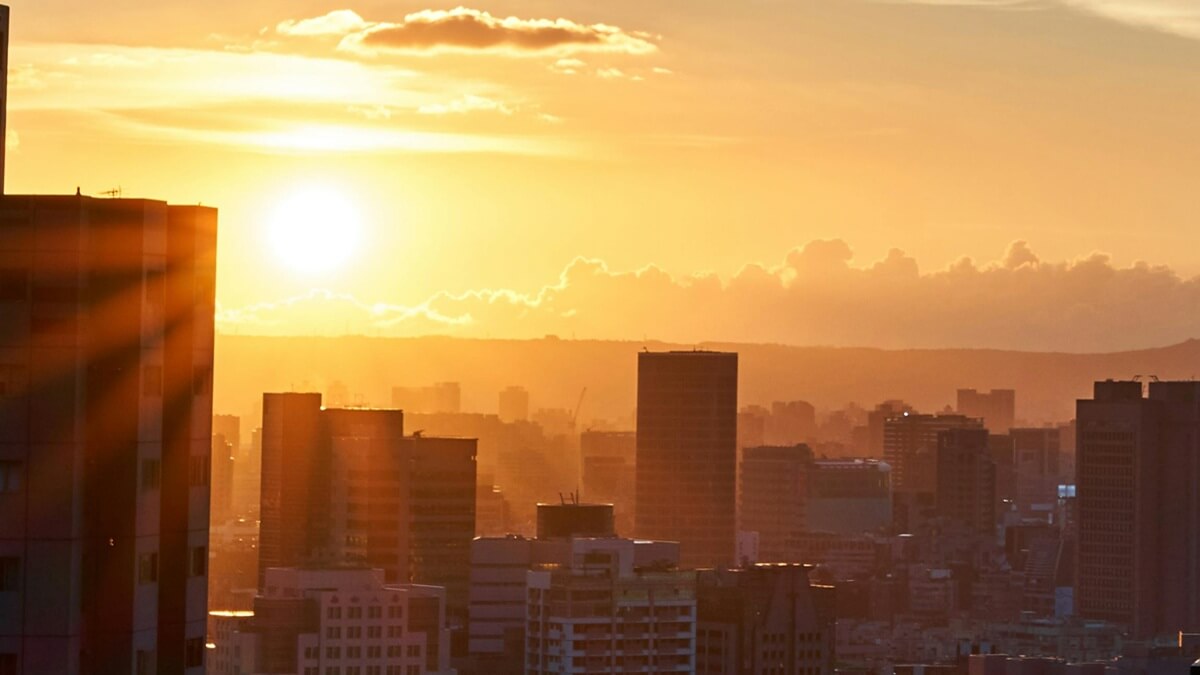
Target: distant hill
pixel 555 371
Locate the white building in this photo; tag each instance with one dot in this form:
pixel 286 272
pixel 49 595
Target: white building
pixel 604 611
pixel 338 622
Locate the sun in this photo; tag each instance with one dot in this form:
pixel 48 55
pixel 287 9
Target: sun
pixel 314 230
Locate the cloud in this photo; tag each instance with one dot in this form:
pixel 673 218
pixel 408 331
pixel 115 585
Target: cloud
pixel 466 104
pixel 815 295
pixel 469 31
pixel 1178 17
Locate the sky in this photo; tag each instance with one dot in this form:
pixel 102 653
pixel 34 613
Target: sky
pixel 901 173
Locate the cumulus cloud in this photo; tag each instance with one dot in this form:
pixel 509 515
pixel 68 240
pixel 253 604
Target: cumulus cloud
pixel 816 295
pixel 463 29
pixel 466 104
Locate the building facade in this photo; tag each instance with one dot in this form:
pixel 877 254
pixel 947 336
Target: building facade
pixel 106 355
pixel 773 494
pixel 687 453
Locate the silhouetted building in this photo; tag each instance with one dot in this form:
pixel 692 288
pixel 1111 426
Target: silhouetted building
pixel 338 620
pixel 849 496
pixel 877 418
pixel 996 408
pixel 1037 467
pixel 687 453
pixel 603 613
pixel 763 620
pixel 910 442
pixel 106 352
pixel 229 426
pixel 966 478
pixel 791 422
pixel 772 496
pixel 347 486
pixel 563 521
pixel 514 404
pixel 1139 521
pixel 221 493
pixel 443 397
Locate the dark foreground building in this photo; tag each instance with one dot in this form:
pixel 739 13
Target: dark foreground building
pixel 106 352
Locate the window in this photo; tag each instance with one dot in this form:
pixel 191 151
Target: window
pixel 198 470
pixel 199 561
pixel 193 651
pixel 333 633
pixel 333 670
pixel 11 475
pixel 374 652
pixel 395 612
pixel 374 632
pixel 151 474
pixel 413 650
pixel 375 612
pixel 333 613
pixel 312 652
pixel 333 652
pixel 354 633
pixel 354 613
pixel 413 670
pixel 152 381
pixel 148 568
pixel 312 670
pixel 10 574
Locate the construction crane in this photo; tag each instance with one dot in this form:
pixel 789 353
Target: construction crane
pixel 578 405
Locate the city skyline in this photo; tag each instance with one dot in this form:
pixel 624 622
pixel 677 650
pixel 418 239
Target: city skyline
pixel 946 130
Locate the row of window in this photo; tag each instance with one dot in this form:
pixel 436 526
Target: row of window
pixel 363 670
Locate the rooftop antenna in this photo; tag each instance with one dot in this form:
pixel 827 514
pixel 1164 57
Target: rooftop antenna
pixel 113 193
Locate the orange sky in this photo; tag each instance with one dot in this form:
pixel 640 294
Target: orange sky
pixel 484 149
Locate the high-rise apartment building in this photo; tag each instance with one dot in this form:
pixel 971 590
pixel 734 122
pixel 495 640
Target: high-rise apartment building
pixel 849 496
pixel 603 613
pixel 347 485
pixel 772 496
pixel 910 442
pixel 997 408
pixel 608 472
pixel 966 479
pixel 106 355
pixel 687 453
pixel 1138 468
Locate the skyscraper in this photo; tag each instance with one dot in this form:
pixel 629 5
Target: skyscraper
pixel 997 408
pixel 773 496
pixel 1138 467
pixel 687 453
pixel 347 486
pixel 966 478
pixel 105 432
pixel 910 442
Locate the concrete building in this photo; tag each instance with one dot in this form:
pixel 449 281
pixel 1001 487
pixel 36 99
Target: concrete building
pixel 996 408
pixel 849 496
pixel 514 404
pixel 498 592
pixel 105 432
pixel 773 492
pixel 763 620
pixel 1037 468
pixel 1138 515
pixel 572 519
pixel 966 479
pixel 348 621
pixel 604 613
pixel 348 486
pixel 687 453
pixel 910 442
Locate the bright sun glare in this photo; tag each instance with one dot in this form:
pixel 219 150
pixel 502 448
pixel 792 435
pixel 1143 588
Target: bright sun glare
pixel 314 230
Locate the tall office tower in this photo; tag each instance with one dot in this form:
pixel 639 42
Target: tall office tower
pixel 229 426
pixel 514 404
pixel 877 418
pixel 347 620
pixel 996 408
pixel 687 453
pixel 608 472
pixel 966 478
pixel 1138 510
pixel 1037 467
pixel 105 430
pixel 791 422
pixel 221 492
pixel 294 501
pixel 772 495
pixel 763 620
pixel 910 442
pixel 602 613
pixel 347 486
